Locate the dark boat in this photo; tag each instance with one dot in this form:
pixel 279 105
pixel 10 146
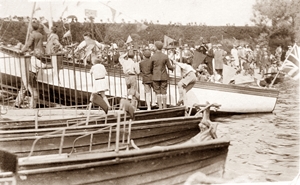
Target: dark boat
pixel 145 133
pixel 121 164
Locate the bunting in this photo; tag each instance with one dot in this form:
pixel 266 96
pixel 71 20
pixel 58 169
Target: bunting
pixel 78 3
pixel 113 13
pixel 291 64
pixel 168 41
pixel 140 27
pixel 129 39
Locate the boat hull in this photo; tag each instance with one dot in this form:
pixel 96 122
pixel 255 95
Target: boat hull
pixel 73 85
pixel 164 132
pixel 158 165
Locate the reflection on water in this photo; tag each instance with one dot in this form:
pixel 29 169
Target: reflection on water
pixel 265 147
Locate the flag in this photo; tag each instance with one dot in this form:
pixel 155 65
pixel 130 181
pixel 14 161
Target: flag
pixel 228 74
pixel 78 3
pixel 291 64
pixel 129 39
pixel 141 27
pixel 67 34
pixel 37 9
pixel 167 41
pixel 113 12
pixel 98 100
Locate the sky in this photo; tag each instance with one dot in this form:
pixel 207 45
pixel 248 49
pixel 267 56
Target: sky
pixel 210 12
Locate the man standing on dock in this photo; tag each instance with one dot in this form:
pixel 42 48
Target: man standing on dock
pixel 160 76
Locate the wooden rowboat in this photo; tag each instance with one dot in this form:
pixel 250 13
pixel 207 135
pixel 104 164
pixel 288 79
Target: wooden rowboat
pixel 51 120
pixel 163 131
pixel 171 164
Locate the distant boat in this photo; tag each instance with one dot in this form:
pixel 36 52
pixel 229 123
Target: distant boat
pixel 68 83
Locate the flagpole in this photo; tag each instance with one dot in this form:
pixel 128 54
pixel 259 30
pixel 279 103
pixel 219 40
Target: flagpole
pixel 30 22
pixel 50 18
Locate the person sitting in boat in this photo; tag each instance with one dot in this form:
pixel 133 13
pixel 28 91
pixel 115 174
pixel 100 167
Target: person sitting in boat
pixel 88 47
pixel 53 44
pixel 146 69
pixel 35 45
pixel 187 82
pixel 202 73
pixel 100 83
pixel 130 69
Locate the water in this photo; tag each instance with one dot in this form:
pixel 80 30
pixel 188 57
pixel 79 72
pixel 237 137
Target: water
pixel 265 147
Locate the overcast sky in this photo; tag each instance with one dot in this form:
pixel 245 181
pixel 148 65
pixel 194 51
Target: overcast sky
pixel 210 12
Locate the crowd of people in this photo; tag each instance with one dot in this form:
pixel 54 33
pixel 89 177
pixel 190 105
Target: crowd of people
pixel 202 61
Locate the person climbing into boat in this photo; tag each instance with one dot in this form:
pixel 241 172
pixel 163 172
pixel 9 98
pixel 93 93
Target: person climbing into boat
pixel 146 69
pixel 160 77
pixel 87 48
pixel 34 44
pixel 130 69
pixel 187 82
pixel 100 83
pixel 53 44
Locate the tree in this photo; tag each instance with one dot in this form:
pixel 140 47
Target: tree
pixel 277 18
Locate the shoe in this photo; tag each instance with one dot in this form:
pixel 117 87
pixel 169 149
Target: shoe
pixel 179 103
pixel 18 107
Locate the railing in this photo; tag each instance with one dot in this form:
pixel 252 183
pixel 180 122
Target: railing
pixel 91 134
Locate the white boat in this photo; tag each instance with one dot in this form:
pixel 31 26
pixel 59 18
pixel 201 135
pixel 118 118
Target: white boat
pixel 75 83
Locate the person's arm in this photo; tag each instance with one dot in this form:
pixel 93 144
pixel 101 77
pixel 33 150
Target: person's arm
pixel 137 67
pixel 80 46
pixel 28 43
pixel 41 65
pixel 122 59
pixel 99 45
pixel 169 65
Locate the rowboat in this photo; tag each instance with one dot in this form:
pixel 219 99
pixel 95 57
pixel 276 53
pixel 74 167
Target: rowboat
pixel 121 164
pixel 53 118
pixel 68 83
pixel 163 131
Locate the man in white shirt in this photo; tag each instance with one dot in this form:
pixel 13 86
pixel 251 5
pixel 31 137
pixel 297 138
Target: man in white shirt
pixel 130 69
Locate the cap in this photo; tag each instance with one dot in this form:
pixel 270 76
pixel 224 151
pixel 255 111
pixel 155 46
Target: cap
pixel 159 45
pixel 147 53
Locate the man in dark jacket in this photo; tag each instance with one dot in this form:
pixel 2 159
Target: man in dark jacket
pixel 160 76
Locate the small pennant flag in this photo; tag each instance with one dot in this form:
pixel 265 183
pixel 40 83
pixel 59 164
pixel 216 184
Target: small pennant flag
pixel 67 34
pixel 129 39
pixel 168 41
pixel 291 64
pixel 141 27
pixel 113 12
pixel 78 3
